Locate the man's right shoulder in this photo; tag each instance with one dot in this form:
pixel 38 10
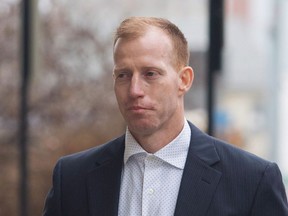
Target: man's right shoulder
pixel 110 149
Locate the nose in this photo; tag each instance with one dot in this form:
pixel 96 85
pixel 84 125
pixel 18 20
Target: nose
pixel 136 87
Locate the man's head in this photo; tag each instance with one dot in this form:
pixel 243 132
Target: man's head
pixel 150 80
pixel 135 27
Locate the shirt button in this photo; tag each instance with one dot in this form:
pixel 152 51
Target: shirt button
pixel 150 191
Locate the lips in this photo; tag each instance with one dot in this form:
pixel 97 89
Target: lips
pixel 138 109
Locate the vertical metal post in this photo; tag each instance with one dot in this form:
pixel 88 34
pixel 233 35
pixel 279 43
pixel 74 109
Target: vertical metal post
pixel 23 119
pixel 214 56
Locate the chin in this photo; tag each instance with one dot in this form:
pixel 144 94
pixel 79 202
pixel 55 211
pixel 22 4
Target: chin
pixel 145 127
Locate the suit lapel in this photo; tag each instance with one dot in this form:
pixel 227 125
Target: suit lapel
pixel 199 180
pixel 103 183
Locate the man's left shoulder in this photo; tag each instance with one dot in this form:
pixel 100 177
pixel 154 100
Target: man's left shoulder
pixel 235 157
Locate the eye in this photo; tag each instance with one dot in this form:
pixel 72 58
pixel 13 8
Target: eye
pixel 122 75
pixel 151 74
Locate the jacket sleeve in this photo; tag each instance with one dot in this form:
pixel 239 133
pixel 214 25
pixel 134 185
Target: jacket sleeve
pixel 52 205
pixel 271 197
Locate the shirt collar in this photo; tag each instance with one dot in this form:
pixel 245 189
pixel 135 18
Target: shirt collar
pixel 174 153
pixel 132 147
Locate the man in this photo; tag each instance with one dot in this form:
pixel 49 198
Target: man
pixel 163 165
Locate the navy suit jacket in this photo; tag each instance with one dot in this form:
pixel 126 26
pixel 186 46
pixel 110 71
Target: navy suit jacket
pixel 218 180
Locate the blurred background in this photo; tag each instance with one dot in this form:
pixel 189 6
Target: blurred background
pixel 70 105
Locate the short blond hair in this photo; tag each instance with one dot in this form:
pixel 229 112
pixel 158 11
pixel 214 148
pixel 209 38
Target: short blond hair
pixel 134 27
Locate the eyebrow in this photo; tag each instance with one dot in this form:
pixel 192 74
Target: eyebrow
pixel 117 70
pixel 144 68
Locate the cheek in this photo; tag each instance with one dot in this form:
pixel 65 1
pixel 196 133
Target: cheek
pixel 120 100
pixel 173 95
pixel 168 96
pixel 170 90
pixel 119 93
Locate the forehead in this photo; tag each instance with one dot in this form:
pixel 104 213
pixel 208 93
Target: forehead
pixel 153 42
pixel 139 32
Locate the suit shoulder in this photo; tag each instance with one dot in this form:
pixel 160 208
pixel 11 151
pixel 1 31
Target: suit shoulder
pixel 91 156
pixel 237 157
pixel 216 151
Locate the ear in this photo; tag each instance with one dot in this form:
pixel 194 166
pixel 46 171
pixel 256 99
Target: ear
pixel 186 77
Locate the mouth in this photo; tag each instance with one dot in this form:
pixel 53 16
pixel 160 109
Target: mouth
pixel 137 108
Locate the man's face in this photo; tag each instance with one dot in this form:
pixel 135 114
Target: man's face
pixel 147 83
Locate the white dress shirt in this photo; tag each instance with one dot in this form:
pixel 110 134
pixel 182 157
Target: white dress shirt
pixel 150 182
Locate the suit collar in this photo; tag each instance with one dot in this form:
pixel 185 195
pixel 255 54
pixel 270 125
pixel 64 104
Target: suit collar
pixel 202 146
pixel 103 182
pixel 199 180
